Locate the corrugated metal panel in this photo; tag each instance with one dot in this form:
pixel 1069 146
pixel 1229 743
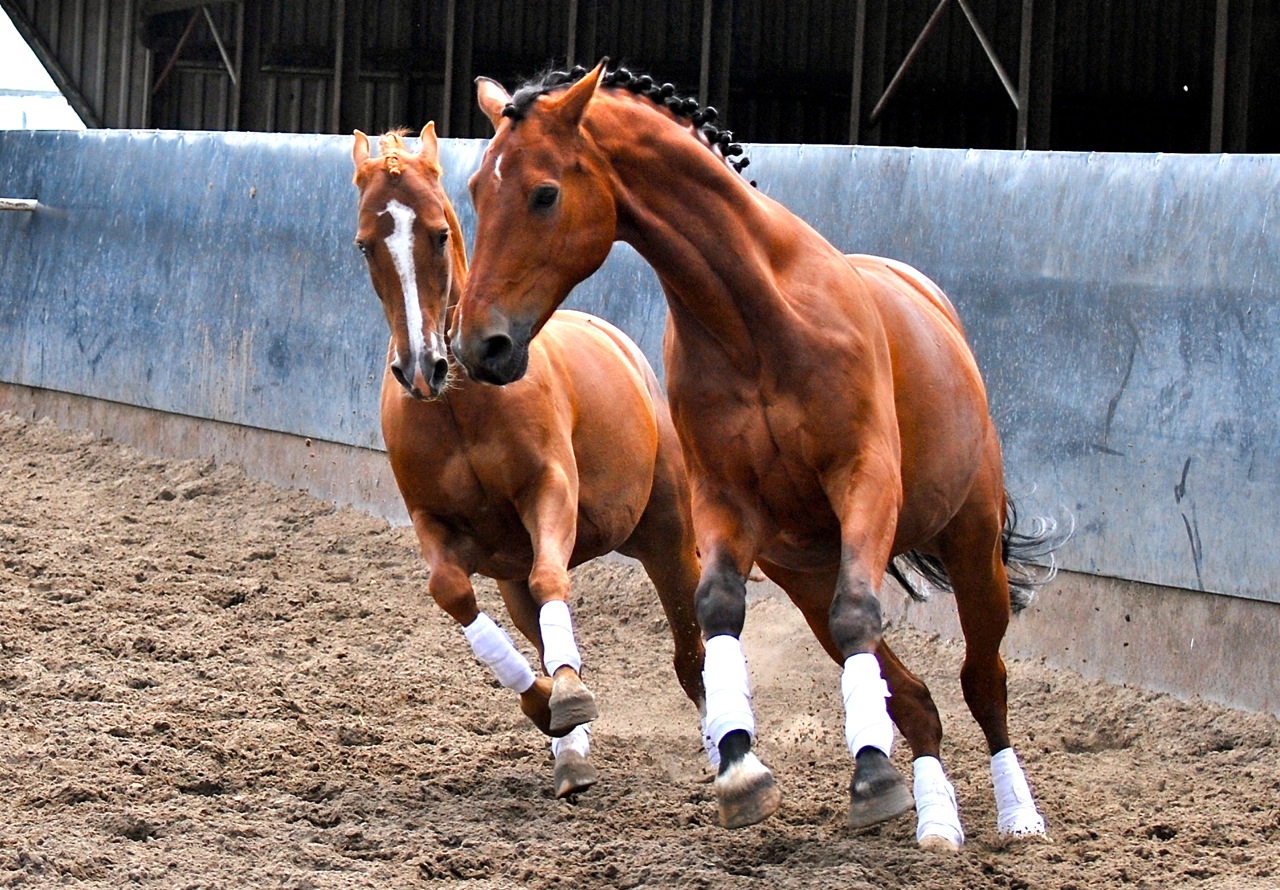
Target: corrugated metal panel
pixel 1124 74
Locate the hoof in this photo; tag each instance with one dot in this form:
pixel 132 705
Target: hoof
pixel 932 843
pixel 746 793
pixel 574 774
pixel 877 792
pixel 572 703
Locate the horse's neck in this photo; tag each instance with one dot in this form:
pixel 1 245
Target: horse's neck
pixel 715 242
pixel 459 248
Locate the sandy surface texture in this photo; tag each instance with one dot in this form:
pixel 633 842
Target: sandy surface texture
pixel 209 682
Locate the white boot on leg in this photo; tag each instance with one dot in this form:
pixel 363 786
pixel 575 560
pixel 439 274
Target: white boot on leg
pixel 1016 813
pixel 937 817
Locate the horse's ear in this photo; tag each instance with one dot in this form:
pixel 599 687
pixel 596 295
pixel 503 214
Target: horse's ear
pixel 430 151
pixel 492 98
pixel 573 102
pixel 360 150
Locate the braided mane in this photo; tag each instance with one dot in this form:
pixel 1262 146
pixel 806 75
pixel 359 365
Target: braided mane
pixel 663 95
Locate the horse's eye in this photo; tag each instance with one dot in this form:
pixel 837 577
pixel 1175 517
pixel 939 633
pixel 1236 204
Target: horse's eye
pixel 363 247
pixel 544 197
pixel 442 238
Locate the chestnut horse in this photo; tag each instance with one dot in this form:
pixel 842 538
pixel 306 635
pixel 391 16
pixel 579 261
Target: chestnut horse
pixel 830 410
pixel 520 484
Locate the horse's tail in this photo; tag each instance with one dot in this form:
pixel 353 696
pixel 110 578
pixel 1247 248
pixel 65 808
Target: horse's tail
pixel 1028 557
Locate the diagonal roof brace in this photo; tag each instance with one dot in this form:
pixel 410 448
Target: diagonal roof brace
pixel 182 42
pixel 924 36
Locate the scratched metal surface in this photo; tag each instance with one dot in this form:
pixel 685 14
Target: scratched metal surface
pixel 1123 308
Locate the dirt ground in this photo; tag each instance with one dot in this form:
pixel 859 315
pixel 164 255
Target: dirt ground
pixel 208 682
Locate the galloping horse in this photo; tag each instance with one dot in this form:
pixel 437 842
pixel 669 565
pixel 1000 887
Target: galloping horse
pixel 520 484
pixel 830 409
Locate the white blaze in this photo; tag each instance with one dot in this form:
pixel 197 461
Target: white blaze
pixel 400 244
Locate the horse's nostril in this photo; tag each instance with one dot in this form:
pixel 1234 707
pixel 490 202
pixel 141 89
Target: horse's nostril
pixel 495 348
pixel 398 373
pixel 439 375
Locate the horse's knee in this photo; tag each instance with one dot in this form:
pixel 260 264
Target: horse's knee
pixel 855 620
pixel 721 601
pixel 451 589
pixel 549 581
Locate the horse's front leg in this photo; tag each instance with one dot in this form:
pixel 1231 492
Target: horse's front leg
pixel 746 792
pixel 571 750
pixel 867 502
pixel 549 511
pixel 450 587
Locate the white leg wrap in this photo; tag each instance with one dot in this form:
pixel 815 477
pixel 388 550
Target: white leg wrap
pixel 578 740
pixel 491 645
pixel 724 676
pixel 1016 813
pixel 713 751
pixel 936 811
pixel 866 717
pixel 558 646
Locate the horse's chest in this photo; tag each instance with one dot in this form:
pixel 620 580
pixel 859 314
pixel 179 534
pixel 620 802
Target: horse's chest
pixel 762 452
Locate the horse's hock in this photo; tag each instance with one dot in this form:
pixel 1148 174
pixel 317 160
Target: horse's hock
pixel 1112 301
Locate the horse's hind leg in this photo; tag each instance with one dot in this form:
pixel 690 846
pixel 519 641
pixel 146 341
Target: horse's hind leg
pixel 573 771
pixel 665 544
pixel 971 550
pixel 910 705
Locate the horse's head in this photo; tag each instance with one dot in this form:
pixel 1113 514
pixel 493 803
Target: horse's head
pixel 546 219
pixel 411 240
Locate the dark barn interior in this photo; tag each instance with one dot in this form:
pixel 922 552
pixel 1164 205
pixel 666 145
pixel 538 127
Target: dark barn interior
pixel 1104 75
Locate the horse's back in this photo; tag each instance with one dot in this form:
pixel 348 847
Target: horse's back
pixel 943 417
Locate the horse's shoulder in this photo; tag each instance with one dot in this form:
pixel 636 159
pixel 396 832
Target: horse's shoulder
pixel 904 278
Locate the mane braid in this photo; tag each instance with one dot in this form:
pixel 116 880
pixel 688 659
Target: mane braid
pixel 663 95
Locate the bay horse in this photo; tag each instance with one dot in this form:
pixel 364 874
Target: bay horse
pixel 520 484
pixel 832 415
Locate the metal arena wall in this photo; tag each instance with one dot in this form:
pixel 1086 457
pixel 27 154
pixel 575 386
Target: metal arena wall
pixel 1123 309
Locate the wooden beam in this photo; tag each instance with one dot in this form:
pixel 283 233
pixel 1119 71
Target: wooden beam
pixel 571 50
pixel 126 69
pixel 1024 75
pixel 859 61
pixel 704 64
pixel 156 7
pixel 906 62
pixel 1040 84
pixel 1218 101
pixel 1235 131
pixel 450 25
pixel 339 44
pixel 91 116
pixel 351 107
pixel 990 51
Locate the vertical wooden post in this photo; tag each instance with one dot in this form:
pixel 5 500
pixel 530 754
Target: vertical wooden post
pixel 571 51
pixel 859 59
pixel 339 38
pixel 1235 129
pixel 1024 75
pixel 1218 100
pixel 450 23
pixel 252 115
pixel 1039 97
